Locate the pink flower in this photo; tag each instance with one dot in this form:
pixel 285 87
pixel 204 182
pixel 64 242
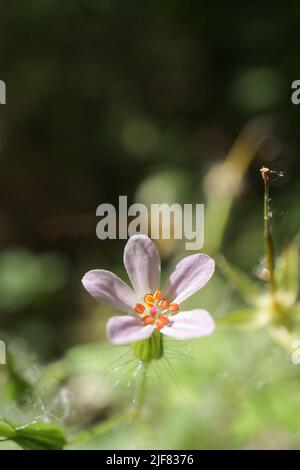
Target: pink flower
pixel 147 307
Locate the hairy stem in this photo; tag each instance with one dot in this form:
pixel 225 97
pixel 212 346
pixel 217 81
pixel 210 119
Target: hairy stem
pixel 140 388
pixel 124 417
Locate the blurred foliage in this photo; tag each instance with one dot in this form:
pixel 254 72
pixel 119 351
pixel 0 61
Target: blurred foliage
pixel 278 310
pixel 173 102
pixel 26 278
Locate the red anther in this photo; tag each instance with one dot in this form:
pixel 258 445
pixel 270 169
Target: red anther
pixel 139 308
pixel 174 307
pixel 164 319
pixel 161 322
pixel 148 320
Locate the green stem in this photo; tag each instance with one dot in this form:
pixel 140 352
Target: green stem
pixel 269 246
pixel 140 388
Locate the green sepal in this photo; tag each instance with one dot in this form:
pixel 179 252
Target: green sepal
pixel 149 349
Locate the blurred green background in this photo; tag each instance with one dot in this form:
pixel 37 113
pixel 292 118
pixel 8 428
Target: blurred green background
pixel 145 99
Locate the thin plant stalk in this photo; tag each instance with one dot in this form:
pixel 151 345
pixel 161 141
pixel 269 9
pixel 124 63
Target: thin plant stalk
pixel 268 240
pixel 140 388
pixel 120 419
pixel 222 183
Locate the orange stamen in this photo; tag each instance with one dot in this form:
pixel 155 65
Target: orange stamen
pixel 157 295
pixel 161 322
pixel 139 308
pixel 174 307
pixel 147 320
pixel 149 299
pixel 163 303
pixel 164 319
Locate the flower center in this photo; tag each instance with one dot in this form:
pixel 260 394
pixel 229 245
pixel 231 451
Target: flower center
pixel 156 309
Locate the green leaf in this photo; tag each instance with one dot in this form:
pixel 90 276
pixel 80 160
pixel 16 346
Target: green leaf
pixel 34 436
pixel 6 429
pixel 247 288
pixel 246 319
pixel 287 271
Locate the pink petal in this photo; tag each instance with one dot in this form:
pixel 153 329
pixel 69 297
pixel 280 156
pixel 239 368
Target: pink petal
pixel 109 289
pixel 124 330
pixel 142 263
pixel 189 276
pixel 190 324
